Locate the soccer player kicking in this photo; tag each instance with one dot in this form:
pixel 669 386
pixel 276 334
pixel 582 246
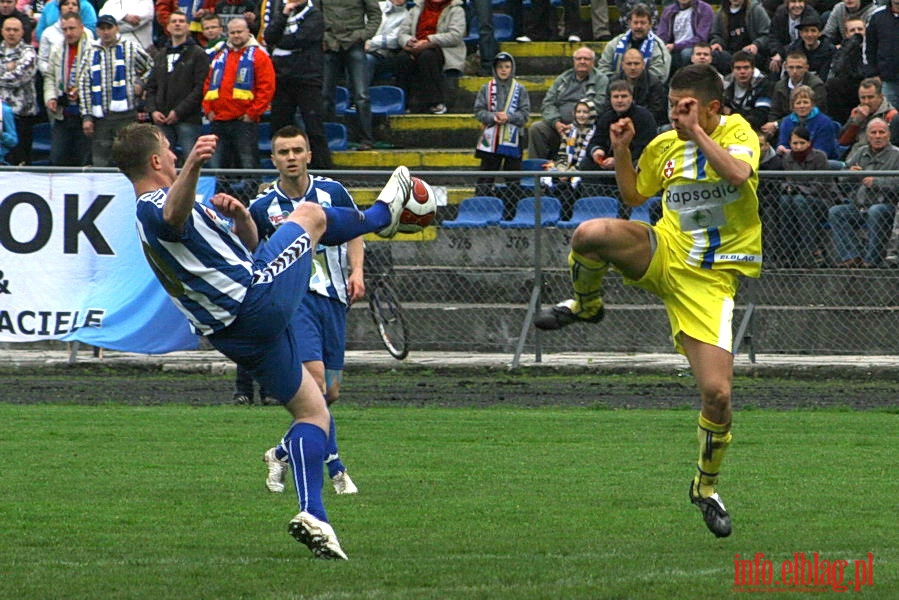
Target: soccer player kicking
pixel 242 295
pixel 709 235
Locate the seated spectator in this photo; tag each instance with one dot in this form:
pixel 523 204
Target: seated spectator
pixel 846 71
pixel 684 24
pixel 769 159
pixel 801 205
pixel 600 154
pixel 572 152
pixel 872 104
pixel 53 35
pixel 625 7
pixel 798 74
pixel 582 82
pixel 702 55
pixel 135 18
pixel 747 91
pixel 874 203
pixel 818 50
pixel 50 15
pixel 740 25
pixel 382 49
pixel 8 9
pixel 639 35
pixel 432 41
pixel 822 128
pixel 845 11
pixel 8 137
pixel 784 30
pixel 648 91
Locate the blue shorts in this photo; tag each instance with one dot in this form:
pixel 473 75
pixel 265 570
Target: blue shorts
pixel 262 337
pixel 320 323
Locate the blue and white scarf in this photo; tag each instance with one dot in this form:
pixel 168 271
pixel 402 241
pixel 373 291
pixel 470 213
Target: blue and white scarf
pixel 624 45
pixel 502 139
pixel 243 81
pixel 119 100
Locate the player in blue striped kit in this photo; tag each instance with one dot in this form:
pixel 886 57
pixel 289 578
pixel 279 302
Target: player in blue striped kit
pixel 242 294
pixel 337 280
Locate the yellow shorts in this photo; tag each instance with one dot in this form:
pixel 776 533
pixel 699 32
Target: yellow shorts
pixel 700 302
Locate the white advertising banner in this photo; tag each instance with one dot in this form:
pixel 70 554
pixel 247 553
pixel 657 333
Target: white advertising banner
pixel 72 267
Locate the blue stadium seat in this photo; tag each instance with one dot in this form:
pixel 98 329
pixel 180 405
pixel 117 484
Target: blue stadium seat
pixel 531 164
pixel 591 207
pixel 337 136
pixel 550 213
pixel 477 211
pixel 387 100
pixel 502 28
pixel 341 100
pixel 40 144
pixel 644 211
pixel 265 138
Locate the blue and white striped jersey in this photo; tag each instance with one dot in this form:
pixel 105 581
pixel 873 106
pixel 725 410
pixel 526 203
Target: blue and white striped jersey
pixel 205 269
pixel 330 265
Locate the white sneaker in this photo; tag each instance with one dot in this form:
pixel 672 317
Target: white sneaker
pixel 277 470
pixel 395 195
pixel 317 535
pixel 574 39
pixel 343 484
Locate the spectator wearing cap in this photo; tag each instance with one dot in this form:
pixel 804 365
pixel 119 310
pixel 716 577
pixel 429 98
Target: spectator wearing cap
pixel 110 83
pixel 819 50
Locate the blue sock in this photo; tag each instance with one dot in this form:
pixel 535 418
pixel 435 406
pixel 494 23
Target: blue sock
pixel 345 224
pixel 306 451
pixel 332 458
pixel 281 450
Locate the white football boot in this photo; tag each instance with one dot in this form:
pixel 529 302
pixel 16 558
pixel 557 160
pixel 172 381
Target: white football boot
pixel 343 484
pixel 395 195
pixel 277 471
pixel 317 535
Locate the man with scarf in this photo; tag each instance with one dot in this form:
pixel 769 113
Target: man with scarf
pixel 294 37
pixel 175 86
pixel 69 146
pixel 640 36
pixel 109 84
pixel 238 90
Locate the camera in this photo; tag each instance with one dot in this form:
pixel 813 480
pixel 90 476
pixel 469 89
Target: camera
pixel 62 100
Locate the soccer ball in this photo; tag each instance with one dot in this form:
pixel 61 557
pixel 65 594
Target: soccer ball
pixel 420 209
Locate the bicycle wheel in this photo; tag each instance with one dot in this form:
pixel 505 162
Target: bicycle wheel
pixel 387 314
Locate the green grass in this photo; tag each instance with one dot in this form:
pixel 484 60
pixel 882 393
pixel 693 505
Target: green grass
pixel 167 502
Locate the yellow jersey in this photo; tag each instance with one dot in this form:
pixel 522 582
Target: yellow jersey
pixel 715 224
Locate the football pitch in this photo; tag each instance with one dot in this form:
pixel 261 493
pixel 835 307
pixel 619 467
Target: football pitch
pixel 147 485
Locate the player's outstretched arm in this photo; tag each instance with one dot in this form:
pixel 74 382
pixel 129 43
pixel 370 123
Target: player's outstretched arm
pixel 183 192
pixel 621 134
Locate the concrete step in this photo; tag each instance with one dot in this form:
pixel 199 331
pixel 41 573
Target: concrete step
pixel 435 131
pixel 469 86
pixel 436 159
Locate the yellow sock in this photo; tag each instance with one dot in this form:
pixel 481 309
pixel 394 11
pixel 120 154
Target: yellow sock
pixel 586 279
pixel 714 439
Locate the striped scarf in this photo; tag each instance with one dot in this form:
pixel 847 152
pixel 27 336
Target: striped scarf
pixel 294 22
pixel 119 100
pixel 243 82
pixel 502 139
pixel 624 45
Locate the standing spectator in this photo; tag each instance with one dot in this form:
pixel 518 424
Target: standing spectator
pixel 599 20
pixel 487 46
pixel 845 11
pixel 801 206
pixel 871 105
pixel 804 112
pixel 214 37
pixel 109 84
pixel 874 204
pixel 640 36
pixel 175 86
pixel 501 107
pixel 382 49
pixel 53 36
pixel 796 67
pixel 18 68
pixel 740 25
pixel 238 90
pixel 51 15
pixel 582 82
pixel 135 18
pixel 348 24
pixel 8 10
pixel 69 146
pixel 294 35
pixel 818 50
pixel 747 91
pixel 846 71
pixel 8 137
pixel 647 90
pixel 195 10
pixel 433 41
pixel 881 49
pixel 245 9
pixel 784 30
pixel 683 24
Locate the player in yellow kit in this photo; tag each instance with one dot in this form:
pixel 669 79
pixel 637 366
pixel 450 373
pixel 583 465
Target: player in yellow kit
pixel 709 234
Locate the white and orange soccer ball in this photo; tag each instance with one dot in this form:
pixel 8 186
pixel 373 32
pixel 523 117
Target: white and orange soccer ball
pixel 420 209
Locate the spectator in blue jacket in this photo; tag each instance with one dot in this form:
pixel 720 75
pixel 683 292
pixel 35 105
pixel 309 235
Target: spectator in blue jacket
pixel 822 128
pixel 50 15
pixel 8 137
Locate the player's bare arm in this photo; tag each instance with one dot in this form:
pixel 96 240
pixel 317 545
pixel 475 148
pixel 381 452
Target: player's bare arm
pixel 182 193
pixel 355 251
pixel 235 210
pixel 621 134
pixel 686 120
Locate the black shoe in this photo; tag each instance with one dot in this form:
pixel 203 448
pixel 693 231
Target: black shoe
pixel 243 399
pixel 560 315
pixel 713 513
